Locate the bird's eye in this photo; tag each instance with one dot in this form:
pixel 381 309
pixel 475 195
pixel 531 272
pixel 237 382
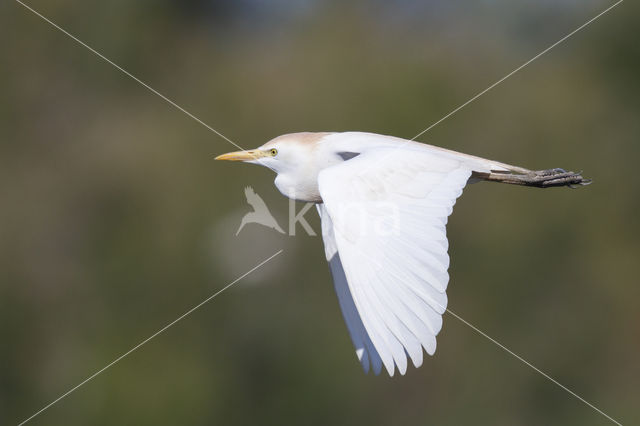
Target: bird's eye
pixel 273 152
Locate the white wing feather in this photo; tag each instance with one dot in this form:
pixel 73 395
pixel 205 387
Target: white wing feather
pixel 384 218
pixel 365 351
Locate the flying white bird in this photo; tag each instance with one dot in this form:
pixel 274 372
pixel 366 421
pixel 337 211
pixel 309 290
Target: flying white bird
pixel 384 204
pixel 260 213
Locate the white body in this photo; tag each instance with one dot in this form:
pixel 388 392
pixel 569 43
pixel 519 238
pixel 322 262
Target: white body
pixel 317 151
pixel 384 204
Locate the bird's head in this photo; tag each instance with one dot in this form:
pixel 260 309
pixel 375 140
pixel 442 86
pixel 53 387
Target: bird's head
pixel 283 154
pixel 268 156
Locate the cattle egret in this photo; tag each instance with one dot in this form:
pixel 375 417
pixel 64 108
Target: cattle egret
pixel 384 204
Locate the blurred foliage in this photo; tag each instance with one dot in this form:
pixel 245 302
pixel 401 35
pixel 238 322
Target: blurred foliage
pixel 115 220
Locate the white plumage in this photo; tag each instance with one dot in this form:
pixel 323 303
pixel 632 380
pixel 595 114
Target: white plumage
pixel 384 204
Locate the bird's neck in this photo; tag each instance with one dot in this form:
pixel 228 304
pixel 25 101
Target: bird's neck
pixel 299 187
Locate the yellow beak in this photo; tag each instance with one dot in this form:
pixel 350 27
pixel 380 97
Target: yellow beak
pixel 241 155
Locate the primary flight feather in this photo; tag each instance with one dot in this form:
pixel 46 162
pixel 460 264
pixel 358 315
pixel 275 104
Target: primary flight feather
pixel 384 203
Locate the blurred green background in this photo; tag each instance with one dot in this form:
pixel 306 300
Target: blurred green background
pixel 114 218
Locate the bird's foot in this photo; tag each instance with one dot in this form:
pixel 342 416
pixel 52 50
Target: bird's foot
pixel 555 177
pixel 541 178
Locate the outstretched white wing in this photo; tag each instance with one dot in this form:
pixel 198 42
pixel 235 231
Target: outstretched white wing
pixel 384 214
pixel 365 350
